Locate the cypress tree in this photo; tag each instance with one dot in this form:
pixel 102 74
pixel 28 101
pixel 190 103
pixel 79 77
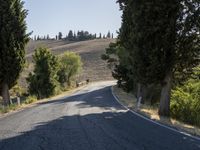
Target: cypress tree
pixel 13 39
pixel 108 35
pixel 162 38
pixel 60 36
pixel 100 36
pixel 70 35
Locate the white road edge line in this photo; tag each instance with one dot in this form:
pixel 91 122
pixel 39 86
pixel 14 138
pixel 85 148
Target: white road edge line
pixel 155 122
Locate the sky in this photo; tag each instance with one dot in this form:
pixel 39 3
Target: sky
pixel 53 16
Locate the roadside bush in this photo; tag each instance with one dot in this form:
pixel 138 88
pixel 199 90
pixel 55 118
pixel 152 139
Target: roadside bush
pixel 17 91
pixel 185 104
pixel 43 82
pixel 6 109
pixel 30 99
pixel 70 65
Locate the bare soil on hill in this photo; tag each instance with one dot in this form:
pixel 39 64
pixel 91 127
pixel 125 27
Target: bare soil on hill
pixel 90 51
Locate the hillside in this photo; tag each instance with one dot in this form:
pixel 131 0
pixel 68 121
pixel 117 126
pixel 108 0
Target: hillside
pixel 94 68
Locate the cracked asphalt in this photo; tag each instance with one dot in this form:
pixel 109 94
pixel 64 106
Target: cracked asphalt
pixel 91 119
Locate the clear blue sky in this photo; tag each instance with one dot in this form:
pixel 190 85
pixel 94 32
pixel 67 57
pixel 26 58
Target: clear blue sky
pixel 53 16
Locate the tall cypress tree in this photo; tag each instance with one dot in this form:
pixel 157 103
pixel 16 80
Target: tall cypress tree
pixel 70 35
pixel 13 39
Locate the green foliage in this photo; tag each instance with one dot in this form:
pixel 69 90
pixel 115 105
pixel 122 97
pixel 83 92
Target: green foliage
pixel 161 41
pixel 80 36
pixel 30 99
pixel 70 65
pixel 13 39
pixel 185 104
pixel 6 109
pixel 17 91
pixel 60 36
pixel 43 82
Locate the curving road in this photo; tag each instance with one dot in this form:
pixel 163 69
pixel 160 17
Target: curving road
pixel 91 119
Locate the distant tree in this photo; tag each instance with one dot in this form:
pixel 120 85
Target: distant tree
pixel 56 37
pixel 48 37
pixel 81 35
pixel 100 36
pixel 95 35
pixel 43 82
pixel 13 39
pixel 104 36
pixel 74 37
pixel 60 36
pixel 70 35
pixel 38 38
pixel 108 35
pixel 70 65
pixel 112 36
pixel 35 38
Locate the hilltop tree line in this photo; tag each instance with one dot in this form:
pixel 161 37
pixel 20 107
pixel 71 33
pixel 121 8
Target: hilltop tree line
pixel 158 47
pixel 75 36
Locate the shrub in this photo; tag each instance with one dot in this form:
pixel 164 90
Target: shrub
pixel 30 99
pixel 43 82
pixel 70 65
pixel 185 104
pixel 6 109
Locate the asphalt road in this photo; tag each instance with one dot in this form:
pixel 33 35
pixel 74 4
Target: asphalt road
pixel 89 120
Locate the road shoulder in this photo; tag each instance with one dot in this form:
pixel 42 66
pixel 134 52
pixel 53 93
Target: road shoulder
pixel 56 97
pixel 150 113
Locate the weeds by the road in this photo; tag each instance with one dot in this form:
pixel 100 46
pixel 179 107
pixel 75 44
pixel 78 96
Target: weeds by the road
pixel 8 108
pixel 151 112
pixel 30 100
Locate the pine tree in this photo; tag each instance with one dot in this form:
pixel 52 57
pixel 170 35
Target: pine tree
pixel 13 39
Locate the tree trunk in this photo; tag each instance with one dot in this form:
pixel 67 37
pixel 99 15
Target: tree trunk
pixel 164 109
pixel 141 92
pixel 5 94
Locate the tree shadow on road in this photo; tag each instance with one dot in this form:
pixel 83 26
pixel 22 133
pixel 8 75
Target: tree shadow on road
pixel 98 98
pixel 109 130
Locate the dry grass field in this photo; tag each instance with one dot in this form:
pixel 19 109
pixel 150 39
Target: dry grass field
pixel 90 51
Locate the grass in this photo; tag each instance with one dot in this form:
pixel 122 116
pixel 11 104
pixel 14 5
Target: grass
pixel 94 68
pixel 30 100
pixel 151 112
pixel 9 108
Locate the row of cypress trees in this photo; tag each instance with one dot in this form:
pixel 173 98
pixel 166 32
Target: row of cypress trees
pixel 158 43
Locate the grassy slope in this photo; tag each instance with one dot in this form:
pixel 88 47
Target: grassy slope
pixel 94 68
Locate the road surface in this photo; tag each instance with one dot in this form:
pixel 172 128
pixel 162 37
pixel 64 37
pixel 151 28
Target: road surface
pixel 91 119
